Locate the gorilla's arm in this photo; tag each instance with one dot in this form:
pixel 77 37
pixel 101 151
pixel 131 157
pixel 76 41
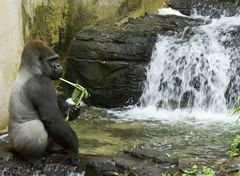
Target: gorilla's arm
pixel 64 107
pixel 42 95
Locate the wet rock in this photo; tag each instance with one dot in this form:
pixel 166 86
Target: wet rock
pixel 147 163
pixel 111 61
pixel 53 165
pixel 162 158
pixel 127 165
pixel 212 8
pixel 231 43
pixel 187 99
pixel 229 167
pixel 101 167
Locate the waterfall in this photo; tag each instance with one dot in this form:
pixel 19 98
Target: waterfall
pixel 193 75
pixel 192 69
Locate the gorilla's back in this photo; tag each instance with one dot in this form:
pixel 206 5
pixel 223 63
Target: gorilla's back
pixel 20 107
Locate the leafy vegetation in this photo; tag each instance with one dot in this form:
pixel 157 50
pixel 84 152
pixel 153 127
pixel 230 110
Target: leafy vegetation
pixel 205 171
pixel 236 106
pixel 238 173
pixel 78 93
pixel 234 152
pixel 235 147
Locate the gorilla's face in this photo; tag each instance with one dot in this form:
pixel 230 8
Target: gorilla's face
pixel 51 66
pixel 37 55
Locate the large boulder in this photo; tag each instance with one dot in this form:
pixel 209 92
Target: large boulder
pixel 110 61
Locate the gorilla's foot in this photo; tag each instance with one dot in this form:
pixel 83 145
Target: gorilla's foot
pixel 36 163
pixel 55 148
pixel 74 159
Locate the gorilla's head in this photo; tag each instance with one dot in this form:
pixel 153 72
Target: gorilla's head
pixel 38 57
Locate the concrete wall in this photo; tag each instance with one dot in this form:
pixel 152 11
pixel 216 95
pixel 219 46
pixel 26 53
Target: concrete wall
pixel 10 50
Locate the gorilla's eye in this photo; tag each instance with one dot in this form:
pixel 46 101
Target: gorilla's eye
pixel 40 58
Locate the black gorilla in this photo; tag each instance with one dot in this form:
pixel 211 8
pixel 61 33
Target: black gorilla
pixel 34 113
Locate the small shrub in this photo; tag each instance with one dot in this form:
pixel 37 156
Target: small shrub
pixel 235 147
pixel 206 171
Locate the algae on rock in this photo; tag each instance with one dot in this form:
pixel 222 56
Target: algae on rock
pixel 55 20
pixel 46 21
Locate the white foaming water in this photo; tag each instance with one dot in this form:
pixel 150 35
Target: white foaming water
pixel 194 115
pixel 189 75
pixel 170 11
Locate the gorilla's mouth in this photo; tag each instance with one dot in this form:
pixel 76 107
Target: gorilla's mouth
pixel 57 75
pixel 59 72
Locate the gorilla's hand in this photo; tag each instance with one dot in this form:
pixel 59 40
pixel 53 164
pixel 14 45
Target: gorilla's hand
pixel 74 112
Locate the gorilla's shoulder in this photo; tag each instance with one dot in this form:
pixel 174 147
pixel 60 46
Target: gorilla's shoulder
pixel 40 79
pixel 39 82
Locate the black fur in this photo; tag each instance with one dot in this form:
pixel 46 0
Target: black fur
pixel 72 111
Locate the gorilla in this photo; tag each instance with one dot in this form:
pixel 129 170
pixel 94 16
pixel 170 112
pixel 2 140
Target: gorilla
pixel 34 114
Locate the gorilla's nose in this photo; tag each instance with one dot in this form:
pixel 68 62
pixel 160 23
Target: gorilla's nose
pixel 60 70
pixel 58 66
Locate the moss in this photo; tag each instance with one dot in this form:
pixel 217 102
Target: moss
pixel 48 22
pixel 95 12
pixel 145 6
pixel 57 21
pixel 53 20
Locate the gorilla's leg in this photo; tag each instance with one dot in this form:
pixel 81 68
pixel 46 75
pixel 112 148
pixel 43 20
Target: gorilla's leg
pixel 53 147
pixel 29 139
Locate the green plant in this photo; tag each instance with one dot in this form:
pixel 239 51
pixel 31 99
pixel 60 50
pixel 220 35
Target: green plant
pixel 78 93
pixel 238 173
pixel 236 106
pixel 235 147
pixel 236 142
pixel 206 171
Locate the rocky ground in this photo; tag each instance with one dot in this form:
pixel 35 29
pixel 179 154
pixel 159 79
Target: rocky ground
pixel 129 163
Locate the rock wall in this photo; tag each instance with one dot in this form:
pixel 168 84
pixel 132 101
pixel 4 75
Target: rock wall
pixel 110 63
